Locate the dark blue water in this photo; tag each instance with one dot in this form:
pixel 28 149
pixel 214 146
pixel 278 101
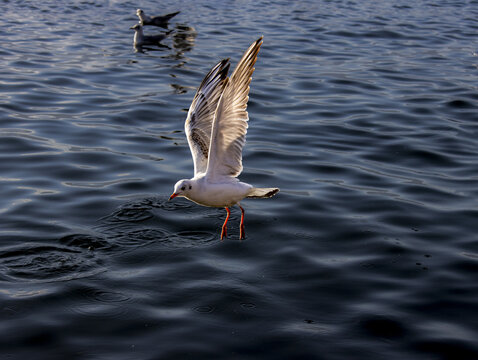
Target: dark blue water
pixel 364 113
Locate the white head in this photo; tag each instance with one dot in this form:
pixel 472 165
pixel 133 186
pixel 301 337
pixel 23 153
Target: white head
pixel 137 28
pixel 182 188
pixel 138 34
pixel 140 14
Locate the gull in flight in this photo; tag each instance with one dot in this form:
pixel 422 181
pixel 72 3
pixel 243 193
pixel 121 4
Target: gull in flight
pixel 161 21
pixel 216 128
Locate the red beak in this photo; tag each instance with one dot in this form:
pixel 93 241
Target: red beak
pixel 173 196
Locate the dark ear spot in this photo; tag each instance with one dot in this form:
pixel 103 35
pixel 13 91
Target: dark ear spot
pixel 190 187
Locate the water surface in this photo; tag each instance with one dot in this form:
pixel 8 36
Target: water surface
pixel 363 113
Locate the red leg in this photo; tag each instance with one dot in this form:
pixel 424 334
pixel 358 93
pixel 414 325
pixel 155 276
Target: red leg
pixel 242 233
pixel 224 226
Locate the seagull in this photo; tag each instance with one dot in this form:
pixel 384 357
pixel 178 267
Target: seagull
pixel 161 21
pixel 141 39
pixel 216 127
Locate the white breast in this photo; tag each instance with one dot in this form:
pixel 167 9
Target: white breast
pixel 219 194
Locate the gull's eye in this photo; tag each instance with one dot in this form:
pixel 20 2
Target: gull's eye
pixel 183 188
pixel 190 187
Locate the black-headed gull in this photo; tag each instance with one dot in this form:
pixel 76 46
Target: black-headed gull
pixel 140 39
pixel 216 128
pixel 161 21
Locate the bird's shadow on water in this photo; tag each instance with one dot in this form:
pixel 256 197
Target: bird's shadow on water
pixel 151 221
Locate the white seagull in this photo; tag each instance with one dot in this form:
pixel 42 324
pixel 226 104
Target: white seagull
pixel 140 39
pixel 216 128
pixel 161 21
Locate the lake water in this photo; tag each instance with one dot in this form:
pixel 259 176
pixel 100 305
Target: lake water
pixel 364 113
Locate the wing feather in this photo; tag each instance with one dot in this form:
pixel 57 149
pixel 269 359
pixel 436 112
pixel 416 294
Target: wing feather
pixel 198 123
pixel 230 123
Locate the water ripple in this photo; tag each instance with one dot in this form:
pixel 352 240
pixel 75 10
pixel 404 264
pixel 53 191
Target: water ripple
pixel 47 263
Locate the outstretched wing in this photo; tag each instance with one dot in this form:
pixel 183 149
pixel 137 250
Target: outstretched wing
pixel 198 123
pixel 230 122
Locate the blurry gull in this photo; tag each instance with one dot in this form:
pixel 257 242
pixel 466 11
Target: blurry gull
pixel 161 21
pixel 141 39
pixel 216 128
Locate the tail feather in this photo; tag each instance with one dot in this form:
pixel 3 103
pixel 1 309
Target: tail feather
pixel 262 193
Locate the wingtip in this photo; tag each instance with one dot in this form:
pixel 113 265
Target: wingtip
pixel 225 65
pixel 224 62
pixel 257 44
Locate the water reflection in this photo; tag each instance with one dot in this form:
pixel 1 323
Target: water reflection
pixel 144 49
pixel 183 38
